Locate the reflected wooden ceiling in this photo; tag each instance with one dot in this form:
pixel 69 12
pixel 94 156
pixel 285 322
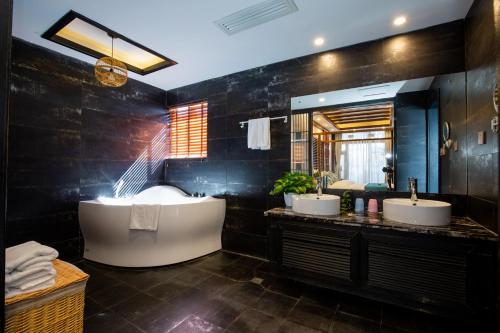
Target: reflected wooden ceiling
pixel 359 117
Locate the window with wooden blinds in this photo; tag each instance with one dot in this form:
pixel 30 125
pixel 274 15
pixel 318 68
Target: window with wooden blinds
pixel 188 130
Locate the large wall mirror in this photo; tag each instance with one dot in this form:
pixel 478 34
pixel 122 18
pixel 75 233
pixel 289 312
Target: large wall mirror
pixel 370 138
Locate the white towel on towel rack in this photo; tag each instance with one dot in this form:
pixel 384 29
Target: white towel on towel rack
pixel 259 133
pixel 144 217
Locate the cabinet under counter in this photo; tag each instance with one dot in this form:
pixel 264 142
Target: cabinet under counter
pixel 448 271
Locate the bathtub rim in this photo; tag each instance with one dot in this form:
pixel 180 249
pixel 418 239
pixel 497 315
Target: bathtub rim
pixel 129 204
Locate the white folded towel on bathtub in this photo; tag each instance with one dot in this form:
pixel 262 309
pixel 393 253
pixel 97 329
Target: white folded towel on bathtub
pixel 144 217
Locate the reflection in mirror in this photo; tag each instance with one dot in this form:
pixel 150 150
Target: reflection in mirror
pixel 354 143
pixel 300 143
pixel 371 138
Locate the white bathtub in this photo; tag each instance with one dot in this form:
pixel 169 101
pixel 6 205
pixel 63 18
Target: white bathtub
pixel 188 228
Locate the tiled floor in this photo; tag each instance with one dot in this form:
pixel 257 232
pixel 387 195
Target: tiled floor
pixel 224 292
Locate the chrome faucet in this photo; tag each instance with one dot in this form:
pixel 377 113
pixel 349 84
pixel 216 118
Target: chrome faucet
pixel 412 186
pixel 319 187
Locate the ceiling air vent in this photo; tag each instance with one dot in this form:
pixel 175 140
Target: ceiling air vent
pixel 254 15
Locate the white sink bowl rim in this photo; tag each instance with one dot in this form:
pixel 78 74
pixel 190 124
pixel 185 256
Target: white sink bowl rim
pixel 422 212
pixel 325 204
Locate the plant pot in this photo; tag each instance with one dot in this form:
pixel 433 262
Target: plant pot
pixel 288 199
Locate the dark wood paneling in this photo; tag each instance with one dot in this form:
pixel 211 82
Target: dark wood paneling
pixel 70 140
pixel 423 273
pixel 322 251
pixel 266 91
pixel 5 56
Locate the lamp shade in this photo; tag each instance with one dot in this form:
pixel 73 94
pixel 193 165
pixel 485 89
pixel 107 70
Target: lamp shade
pixel 111 72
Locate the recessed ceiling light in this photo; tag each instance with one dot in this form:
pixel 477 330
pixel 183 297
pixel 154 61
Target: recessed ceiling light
pixel 321 99
pixel 400 20
pixel 319 41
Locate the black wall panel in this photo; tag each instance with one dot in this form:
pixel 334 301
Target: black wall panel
pixel 70 140
pixel 246 176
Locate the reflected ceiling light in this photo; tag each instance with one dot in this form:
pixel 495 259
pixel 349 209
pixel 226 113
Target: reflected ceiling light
pixel 318 41
pixel 400 20
pixel 321 99
pixel 82 34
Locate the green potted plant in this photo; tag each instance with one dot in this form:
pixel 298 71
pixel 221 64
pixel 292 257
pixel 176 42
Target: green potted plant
pixel 292 183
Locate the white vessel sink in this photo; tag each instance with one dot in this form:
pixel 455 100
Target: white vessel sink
pixel 421 212
pixel 325 204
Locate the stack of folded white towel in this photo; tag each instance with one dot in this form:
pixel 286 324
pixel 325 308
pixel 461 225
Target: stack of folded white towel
pixel 28 267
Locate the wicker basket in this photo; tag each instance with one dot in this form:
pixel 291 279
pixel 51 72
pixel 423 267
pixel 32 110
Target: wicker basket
pixel 56 309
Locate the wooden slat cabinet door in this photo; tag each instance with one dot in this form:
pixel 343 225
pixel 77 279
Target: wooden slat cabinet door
pixel 327 253
pixel 431 272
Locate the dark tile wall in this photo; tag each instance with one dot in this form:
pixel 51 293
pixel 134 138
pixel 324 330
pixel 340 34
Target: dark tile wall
pixel 466 103
pixel 70 140
pixel 453 109
pixel 5 45
pixel 246 176
pixel 482 160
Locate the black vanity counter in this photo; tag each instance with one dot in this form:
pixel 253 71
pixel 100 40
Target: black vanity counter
pixel 459 227
pixel 449 271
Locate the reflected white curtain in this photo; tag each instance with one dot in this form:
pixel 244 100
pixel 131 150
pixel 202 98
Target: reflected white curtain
pixel 362 161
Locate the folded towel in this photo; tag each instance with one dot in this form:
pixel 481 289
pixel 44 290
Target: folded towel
pixel 21 255
pixel 259 133
pixel 42 283
pixel 376 187
pixel 32 280
pixel 144 217
pixel 35 281
pixel 17 277
pixel 34 261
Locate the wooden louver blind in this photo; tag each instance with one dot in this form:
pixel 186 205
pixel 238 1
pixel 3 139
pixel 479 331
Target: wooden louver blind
pixel 188 131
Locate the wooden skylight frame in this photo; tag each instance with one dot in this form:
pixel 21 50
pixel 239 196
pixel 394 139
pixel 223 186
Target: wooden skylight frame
pixel 63 32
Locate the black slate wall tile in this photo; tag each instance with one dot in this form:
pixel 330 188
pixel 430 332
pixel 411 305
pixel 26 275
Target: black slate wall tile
pixel 482 160
pixel 453 109
pixel 266 91
pixel 70 139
